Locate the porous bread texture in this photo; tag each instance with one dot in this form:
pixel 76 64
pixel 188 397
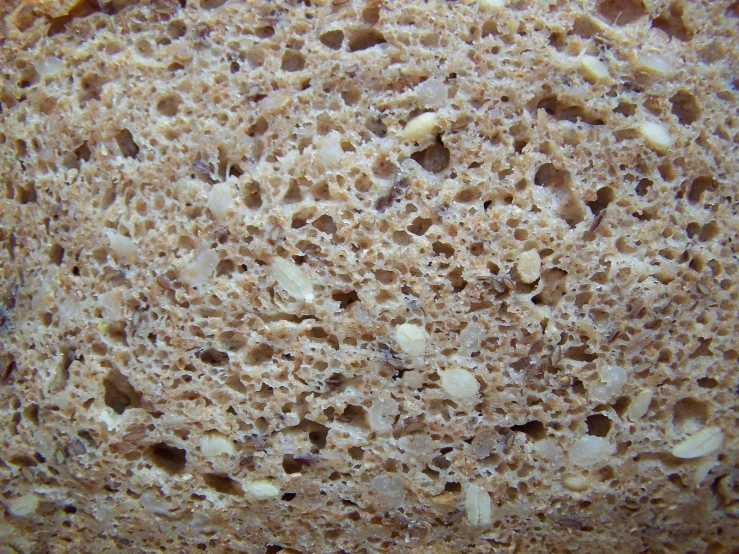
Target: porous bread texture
pixel 348 276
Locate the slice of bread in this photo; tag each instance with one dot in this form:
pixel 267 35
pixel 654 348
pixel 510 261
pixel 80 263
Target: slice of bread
pixel 342 276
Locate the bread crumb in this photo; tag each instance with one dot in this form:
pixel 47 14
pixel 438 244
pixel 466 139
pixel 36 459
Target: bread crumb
pixel 292 279
pixel 420 127
pixel 24 506
pixel 412 339
pixel 657 136
pixel 459 383
pixel 477 506
pixel 261 489
pixel 122 247
pixel 220 200
pixel 576 483
pixel 593 68
pixel 215 444
pixel 529 266
pixel 705 441
pixel 639 405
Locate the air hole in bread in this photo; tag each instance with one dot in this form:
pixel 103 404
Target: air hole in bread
pixel 223 484
pixel 534 429
pixel 166 457
pixel 672 23
pixel 169 104
pixel 292 61
pixel 363 39
pixel 333 39
pixel 621 12
pixel 119 393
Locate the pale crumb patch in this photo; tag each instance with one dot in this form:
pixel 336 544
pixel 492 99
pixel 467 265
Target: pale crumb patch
pixel 529 266
pixel 216 444
pixel 420 127
pixel 220 200
pixel 489 5
pixel 292 279
pixel 432 93
pixel 261 489
pixel 576 483
pixel 705 441
pixel 593 68
pixel 656 136
pixel 24 506
pixel 459 383
pixel 639 405
pixel 477 506
pixel 412 339
pixel 276 102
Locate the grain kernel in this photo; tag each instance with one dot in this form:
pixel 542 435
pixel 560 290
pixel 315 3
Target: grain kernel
pixel 122 247
pixel 291 278
pixel 220 200
pixel 705 441
pixel 656 136
pixel 639 405
pixel 420 127
pixel 589 451
pixel 459 383
pixel 200 268
pixel 576 483
pixel 593 68
pixel 529 266
pixel 654 63
pixel 24 506
pixel 215 444
pixel 411 339
pixel 477 506
pixel 488 5
pixel 261 489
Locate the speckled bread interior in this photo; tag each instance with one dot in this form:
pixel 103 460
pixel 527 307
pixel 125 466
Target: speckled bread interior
pixel 369 276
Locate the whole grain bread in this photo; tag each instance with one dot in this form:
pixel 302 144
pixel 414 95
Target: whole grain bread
pixel 369 276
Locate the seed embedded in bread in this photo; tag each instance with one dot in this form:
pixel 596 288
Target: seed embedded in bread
pixel 411 338
pixel 593 68
pixel 656 136
pixel 459 383
pixel 702 443
pixel 420 127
